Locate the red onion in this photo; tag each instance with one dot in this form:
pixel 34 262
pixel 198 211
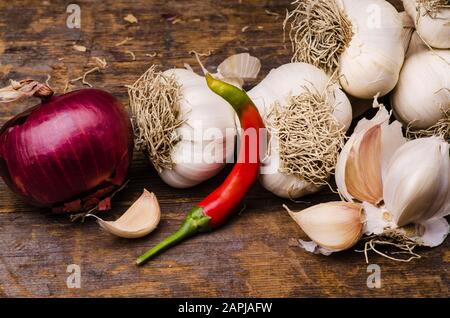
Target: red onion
pixel 69 152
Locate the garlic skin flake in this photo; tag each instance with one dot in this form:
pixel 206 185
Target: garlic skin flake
pixel 334 226
pixel 238 68
pixel 312 247
pixel 282 83
pixel 433 27
pixel 430 233
pixel 422 95
pixel 141 218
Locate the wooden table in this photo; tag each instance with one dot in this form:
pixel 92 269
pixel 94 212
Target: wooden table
pixel 255 255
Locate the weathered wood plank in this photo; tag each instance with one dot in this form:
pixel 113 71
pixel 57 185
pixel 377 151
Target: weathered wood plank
pixel 252 256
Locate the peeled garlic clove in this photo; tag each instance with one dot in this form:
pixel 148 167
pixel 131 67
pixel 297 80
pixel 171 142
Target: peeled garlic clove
pixel 141 218
pixel 417 183
pixel 335 226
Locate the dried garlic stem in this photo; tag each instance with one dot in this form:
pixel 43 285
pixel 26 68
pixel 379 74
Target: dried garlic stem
pixel 310 138
pixel 319 32
pixel 154 102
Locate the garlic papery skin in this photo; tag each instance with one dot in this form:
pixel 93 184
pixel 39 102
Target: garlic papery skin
pixel 380 222
pixel 416 187
pixel 433 24
pixel 430 233
pixel 361 164
pixel 238 68
pixel 335 226
pixel 187 131
pixel 408 30
pixel 141 218
pixel 200 111
pixel 361 40
pixel 275 93
pixel 422 96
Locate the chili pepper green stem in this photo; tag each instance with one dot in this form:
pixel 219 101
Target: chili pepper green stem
pixel 233 95
pixel 195 222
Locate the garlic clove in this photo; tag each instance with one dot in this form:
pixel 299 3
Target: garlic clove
pixel 391 139
pixel 417 183
pixel 141 218
pixel 335 226
pixel 361 164
pixel 363 125
pixel 363 170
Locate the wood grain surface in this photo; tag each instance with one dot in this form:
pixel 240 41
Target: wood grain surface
pixel 256 254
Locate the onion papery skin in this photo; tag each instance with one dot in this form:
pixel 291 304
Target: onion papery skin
pixel 70 150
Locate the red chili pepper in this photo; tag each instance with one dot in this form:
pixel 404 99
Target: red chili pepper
pixel 217 207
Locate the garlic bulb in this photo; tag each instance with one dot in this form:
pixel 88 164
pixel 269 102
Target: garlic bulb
pixel 187 131
pixel 361 39
pixel 307 116
pixel 139 220
pixel 399 183
pixel 334 226
pixel 432 20
pixel 421 98
pixel 397 190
